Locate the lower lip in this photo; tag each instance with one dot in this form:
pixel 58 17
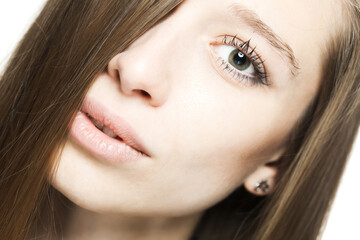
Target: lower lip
pixel 100 144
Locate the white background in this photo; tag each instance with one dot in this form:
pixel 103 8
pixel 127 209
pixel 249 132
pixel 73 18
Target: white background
pixel 17 15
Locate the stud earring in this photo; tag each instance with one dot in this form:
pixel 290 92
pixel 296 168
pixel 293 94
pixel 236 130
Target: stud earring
pixel 262 186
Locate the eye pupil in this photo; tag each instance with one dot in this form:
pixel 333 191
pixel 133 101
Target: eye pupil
pixel 239 60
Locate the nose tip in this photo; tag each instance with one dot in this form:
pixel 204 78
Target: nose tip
pixel 139 77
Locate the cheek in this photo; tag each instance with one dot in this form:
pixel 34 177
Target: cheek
pixel 217 136
pixel 218 118
pixel 213 155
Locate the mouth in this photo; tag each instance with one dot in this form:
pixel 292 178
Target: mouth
pixel 102 127
pixel 106 135
pixel 111 124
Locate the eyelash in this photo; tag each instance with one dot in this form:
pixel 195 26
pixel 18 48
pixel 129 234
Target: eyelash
pixel 260 77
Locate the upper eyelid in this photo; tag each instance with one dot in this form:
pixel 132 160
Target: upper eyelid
pixel 246 43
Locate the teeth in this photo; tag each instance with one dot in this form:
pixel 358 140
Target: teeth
pixel 103 127
pixel 98 124
pixel 109 132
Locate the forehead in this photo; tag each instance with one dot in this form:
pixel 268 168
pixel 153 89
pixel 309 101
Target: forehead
pixel 306 25
pixel 307 21
pixel 289 18
pixel 284 15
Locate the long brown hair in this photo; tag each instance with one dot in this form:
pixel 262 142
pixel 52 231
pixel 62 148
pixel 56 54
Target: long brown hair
pixel 72 41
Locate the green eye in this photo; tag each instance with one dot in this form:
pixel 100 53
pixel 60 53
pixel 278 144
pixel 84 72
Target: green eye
pixel 241 65
pixel 239 60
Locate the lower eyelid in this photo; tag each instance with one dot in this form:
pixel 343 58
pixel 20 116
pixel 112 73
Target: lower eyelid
pixel 238 76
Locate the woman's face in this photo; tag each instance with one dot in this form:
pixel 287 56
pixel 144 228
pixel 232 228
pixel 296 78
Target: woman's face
pixel 212 92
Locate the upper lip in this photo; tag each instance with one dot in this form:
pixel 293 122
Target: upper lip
pixel 117 124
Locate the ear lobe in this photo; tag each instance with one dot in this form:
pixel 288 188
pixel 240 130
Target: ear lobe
pixel 262 181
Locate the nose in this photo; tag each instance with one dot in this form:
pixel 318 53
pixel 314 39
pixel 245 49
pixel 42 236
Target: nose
pixel 142 70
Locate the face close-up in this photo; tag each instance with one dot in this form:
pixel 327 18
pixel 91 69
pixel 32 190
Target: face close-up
pixel 211 94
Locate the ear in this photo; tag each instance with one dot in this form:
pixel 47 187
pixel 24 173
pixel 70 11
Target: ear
pixel 262 181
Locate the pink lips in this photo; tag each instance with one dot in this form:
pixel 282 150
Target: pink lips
pixel 114 150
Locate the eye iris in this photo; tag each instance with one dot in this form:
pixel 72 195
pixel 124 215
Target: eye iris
pixel 239 60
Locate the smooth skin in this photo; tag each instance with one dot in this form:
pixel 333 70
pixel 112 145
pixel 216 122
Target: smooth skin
pixel 207 131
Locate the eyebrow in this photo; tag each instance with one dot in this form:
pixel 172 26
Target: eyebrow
pixel 254 21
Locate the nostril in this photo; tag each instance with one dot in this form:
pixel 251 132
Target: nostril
pixel 144 93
